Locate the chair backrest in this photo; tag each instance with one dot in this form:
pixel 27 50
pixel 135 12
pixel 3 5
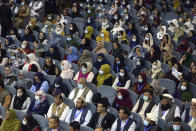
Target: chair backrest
pixel 110 59
pixel 68 84
pixel 107 91
pixel 136 117
pixel 168 84
pixel 29 74
pixel 64 125
pixel 161 123
pixel 50 99
pixel 192 87
pixel 50 78
pixel 30 94
pixel 134 97
pixel 165 67
pixel 42 121
pixel 75 68
pixel 2 111
pixel 92 107
pixel 10 89
pixel 113 111
pixel 20 114
pixel 179 103
pixel 69 102
pixel 86 128
pixel 92 86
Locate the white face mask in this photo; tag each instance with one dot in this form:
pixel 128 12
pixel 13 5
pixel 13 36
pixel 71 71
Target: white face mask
pixel 57 85
pixel 146 29
pixel 89 21
pixel 30 24
pixel 119 97
pixel 80 86
pixel 62 67
pixel 126 17
pixel 19 94
pixel 89 11
pixel 115 17
pixel 99 60
pixel 23 46
pixel 86 31
pixel 147 39
pixel 37 98
pixel 68 39
pixel 24 122
pixel 71 28
pixel 176 127
pixel 121 74
pixel 100 72
pixel 183 88
pixel 154 66
pixel 46 26
pixel 58 29
pixel 102 35
pixel 49 17
pixel 13 57
pixel 138 63
pixel 119 36
pixel 134 40
pixel 83 70
pixel 22 3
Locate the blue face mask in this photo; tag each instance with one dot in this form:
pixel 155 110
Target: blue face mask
pixel 146 122
pixel 140 80
pixel 118 62
pixel 176 127
pixel 80 86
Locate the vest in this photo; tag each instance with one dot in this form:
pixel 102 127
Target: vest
pixel 126 128
pixel 82 118
pixel 2 96
pixel 59 111
pixel 148 109
pixel 84 93
pixel 170 115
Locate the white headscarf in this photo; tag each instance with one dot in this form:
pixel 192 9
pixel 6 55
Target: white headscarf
pixel 190 27
pixel 160 34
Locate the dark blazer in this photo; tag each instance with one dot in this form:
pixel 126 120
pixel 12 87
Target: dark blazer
pixel 5 15
pixel 106 122
pixel 41 109
pixel 154 128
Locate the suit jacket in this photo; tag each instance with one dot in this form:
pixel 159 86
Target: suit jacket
pixel 154 128
pixel 60 129
pixel 106 123
pixel 5 15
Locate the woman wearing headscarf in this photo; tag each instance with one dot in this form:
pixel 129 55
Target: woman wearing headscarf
pixel 42 38
pixel 66 71
pixel 148 42
pixel 122 37
pixel 58 87
pixel 119 63
pixel 155 72
pixel 3 57
pixel 161 32
pixel 175 74
pixel 28 36
pixel 86 57
pixel 131 29
pixel 40 105
pixel 9 76
pixel 85 72
pixel 38 49
pixel 141 84
pixel 85 45
pixel 88 32
pixel 192 74
pixel 49 68
pixel 113 9
pixel 173 25
pixel 105 24
pixel 104 77
pixel 100 61
pixel 188 26
pixel 166 44
pixel 61 20
pixel 20 101
pixel 30 124
pixel 116 50
pixel 53 38
pixel 122 99
pixel 60 29
pixel 15 61
pixel 73 30
pixel 122 81
pixel 53 53
pixel 138 65
pixel 192 36
pixel 183 47
pixel 179 33
pixel 70 41
pixel 32 25
pixel 136 52
pixel 31 64
pixel 100 48
pixel 186 59
pixel 90 22
pixel 117 28
pixel 24 49
pixel 39 83
pixel 104 36
pixel 10 122
pixel 72 55
pixel 47 27
pixel 153 54
pixel 185 93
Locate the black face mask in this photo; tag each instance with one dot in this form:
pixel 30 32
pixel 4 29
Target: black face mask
pixel 165 107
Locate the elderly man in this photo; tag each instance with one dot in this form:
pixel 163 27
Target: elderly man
pixel 81 90
pixel 167 110
pixel 189 114
pixel 145 104
pixel 80 113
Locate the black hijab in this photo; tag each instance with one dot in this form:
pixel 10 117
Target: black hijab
pixel 117 67
pixel 18 101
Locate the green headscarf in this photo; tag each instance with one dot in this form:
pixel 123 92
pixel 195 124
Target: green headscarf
pixel 39 48
pixel 12 123
pixel 187 94
pixel 188 61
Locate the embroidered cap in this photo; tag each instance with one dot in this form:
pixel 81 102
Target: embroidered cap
pixel 168 96
pixel 193 100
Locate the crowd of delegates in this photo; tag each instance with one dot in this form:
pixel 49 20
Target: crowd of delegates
pixel 144 50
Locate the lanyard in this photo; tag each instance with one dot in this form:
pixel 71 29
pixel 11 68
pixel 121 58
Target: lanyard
pixel 139 88
pixel 121 129
pixel 163 113
pixel 117 68
pixel 146 129
pixel 76 115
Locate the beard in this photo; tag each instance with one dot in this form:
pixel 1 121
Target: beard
pixel 165 107
pixel 193 113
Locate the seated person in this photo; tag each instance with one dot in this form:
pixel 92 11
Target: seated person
pixel 3 57
pixel 24 49
pixel 119 63
pixel 15 61
pixel 145 104
pixel 66 71
pixel 30 124
pixel 58 87
pixel 23 81
pixel 49 68
pixel 102 118
pixel 10 77
pixel 85 72
pixel 156 71
pixel 104 77
pixel 185 93
pixel 124 122
pixel 167 110
pixel 74 126
pixel 20 101
pixel 122 81
pixel 81 90
pixel 86 57
pixel 10 122
pixel 72 56
pixel 39 83
pixel 122 100
pixel 100 61
pixel 177 125
pixel 54 124
pixel 40 105
pixel 80 113
pixel 5 96
pixel 58 108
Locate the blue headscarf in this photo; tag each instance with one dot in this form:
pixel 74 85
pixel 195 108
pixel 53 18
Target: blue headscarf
pixel 38 85
pixel 98 64
pixel 73 56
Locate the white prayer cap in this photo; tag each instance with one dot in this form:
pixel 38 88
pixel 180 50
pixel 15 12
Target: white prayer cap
pixel 193 100
pixel 152 117
pixel 168 96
